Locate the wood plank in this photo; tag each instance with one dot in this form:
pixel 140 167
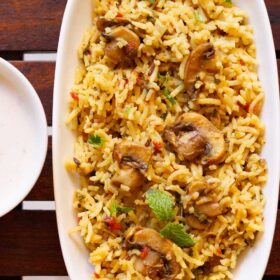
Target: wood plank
pixel 273 8
pixel 11 278
pixel 29 244
pixel 273 267
pixel 30 25
pixel 35 24
pixel 41 76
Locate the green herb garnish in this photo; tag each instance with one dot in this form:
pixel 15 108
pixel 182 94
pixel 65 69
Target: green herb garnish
pixel 161 203
pixel 127 110
pixel 178 234
pixel 170 98
pixel 152 1
pixel 95 140
pixel 115 209
pixel 163 79
pixel 228 1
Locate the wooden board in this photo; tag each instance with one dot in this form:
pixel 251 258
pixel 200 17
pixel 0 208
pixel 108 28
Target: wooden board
pixel 29 244
pixel 31 25
pixel 34 25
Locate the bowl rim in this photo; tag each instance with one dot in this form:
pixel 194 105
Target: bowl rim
pixel 36 168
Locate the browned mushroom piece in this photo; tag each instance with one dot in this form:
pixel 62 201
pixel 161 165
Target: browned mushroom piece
pixel 201 186
pixel 207 205
pixel 161 260
pixel 151 265
pixel 210 209
pixel 122 55
pixel 102 23
pixel 191 145
pixel 195 223
pixel 129 177
pixel 133 155
pixel 198 186
pixel 193 136
pixel 133 159
pixel 200 59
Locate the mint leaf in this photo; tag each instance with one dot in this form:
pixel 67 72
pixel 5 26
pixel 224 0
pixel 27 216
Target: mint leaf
pixel 95 140
pixel 177 233
pixel 163 79
pixel 170 98
pixel 161 203
pixel 115 209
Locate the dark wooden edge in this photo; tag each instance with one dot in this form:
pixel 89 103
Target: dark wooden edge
pixel 29 244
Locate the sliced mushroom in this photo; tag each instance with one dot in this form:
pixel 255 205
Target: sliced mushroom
pixel 102 23
pixel 191 145
pixel 114 53
pixel 151 265
pixel 200 186
pixel 133 155
pixel 197 186
pixel 195 223
pixel 200 59
pixel 126 54
pixel 194 136
pixel 210 264
pixel 129 177
pixel 162 261
pixel 210 209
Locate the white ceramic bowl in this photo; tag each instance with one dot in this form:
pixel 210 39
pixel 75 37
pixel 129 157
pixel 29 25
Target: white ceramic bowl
pixel 77 18
pixel 24 138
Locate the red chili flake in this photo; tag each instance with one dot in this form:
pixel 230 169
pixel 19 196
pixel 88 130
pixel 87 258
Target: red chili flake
pixel 96 275
pixel 219 251
pixel 74 95
pixel 119 15
pixel 245 106
pixel 144 252
pixel 157 146
pixel 112 223
pixel 125 83
pixel 242 62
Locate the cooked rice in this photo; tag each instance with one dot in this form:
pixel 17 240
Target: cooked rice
pixel 113 104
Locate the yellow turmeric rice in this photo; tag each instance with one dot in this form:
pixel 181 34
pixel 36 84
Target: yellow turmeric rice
pixel 165 106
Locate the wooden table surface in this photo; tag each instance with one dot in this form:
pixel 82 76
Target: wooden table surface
pixel 29 242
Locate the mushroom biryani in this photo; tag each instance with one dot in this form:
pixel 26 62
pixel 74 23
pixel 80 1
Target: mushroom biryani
pixel 166 106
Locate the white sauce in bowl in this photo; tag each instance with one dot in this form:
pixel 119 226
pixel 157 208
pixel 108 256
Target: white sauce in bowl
pixel 23 137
